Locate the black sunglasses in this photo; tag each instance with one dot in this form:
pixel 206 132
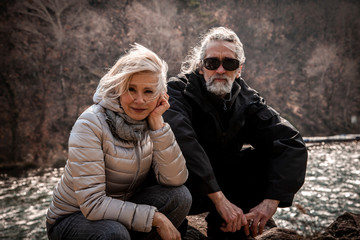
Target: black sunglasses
pixel 229 64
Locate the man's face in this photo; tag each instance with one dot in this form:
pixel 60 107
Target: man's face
pixel 220 80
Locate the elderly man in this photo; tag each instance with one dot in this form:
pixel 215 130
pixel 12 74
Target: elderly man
pixel 214 114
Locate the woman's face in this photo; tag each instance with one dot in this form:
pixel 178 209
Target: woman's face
pixel 140 100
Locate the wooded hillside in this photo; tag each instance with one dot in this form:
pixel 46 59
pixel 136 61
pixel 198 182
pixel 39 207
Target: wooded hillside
pixel 302 56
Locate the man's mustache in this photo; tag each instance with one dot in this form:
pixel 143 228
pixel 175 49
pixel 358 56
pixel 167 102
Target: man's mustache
pixel 219 76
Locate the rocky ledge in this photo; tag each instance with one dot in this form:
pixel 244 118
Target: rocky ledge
pixel 345 227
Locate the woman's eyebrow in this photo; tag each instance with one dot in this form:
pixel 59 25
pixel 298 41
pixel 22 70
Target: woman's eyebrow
pixel 149 87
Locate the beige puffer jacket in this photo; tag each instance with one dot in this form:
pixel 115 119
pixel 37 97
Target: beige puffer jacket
pixel 102 172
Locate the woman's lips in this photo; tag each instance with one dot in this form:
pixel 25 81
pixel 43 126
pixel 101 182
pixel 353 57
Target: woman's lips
pixel 138 110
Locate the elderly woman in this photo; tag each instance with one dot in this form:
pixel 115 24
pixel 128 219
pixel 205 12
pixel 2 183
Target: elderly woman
pixel 115 147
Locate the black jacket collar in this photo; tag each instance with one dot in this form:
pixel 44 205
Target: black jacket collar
pixel 195 88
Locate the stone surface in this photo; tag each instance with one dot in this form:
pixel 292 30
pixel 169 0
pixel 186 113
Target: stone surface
pixel 280 234
pixel 194 234
pixel 345 227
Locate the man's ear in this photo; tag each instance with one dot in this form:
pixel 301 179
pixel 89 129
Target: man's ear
pixel 201 71
pixel 239 71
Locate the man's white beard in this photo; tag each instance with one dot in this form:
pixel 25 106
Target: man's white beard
pixel 219 88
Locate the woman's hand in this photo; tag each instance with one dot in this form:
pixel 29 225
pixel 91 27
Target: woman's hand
pixel 155 119
pixel 165 228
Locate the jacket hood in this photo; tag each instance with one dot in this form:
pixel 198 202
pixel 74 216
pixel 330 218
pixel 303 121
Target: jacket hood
pixel 111 104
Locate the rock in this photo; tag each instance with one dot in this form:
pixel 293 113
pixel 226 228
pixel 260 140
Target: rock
pixel 280 234
pixel 194 234
pixel 345 227
pixel 197 227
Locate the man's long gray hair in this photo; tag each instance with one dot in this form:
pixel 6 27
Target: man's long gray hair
pixel 193 60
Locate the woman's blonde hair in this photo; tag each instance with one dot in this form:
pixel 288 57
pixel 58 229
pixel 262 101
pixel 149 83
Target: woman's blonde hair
pixel 138 59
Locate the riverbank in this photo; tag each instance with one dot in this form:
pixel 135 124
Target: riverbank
pixel 332 139
pixel 332 187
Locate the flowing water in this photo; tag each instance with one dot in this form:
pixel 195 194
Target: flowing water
pixel 332 187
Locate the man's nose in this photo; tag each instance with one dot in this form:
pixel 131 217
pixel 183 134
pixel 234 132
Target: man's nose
pixel 220 69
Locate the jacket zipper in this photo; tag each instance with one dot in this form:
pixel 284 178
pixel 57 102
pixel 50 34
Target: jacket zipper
pixel 137 154
pixel 224 104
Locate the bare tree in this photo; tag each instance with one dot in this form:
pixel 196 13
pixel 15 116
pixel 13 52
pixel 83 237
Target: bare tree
pixel 52 12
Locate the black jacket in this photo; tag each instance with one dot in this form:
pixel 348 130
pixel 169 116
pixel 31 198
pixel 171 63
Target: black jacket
pixel 209 132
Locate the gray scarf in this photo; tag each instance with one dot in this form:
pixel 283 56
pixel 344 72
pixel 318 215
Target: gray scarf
pixel 125 128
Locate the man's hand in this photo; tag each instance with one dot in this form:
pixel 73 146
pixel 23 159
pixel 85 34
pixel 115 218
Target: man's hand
pixel 233 216
pixel 259 215
pixel 165 228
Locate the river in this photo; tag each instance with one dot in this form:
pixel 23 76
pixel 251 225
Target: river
pixel 332 186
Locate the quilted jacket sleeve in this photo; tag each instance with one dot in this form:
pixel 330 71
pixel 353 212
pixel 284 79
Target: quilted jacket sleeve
pixel 86 162
pixel 168 161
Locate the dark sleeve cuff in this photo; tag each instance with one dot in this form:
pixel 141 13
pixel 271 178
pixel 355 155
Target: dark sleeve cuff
pixel 211 187
pixel 286 200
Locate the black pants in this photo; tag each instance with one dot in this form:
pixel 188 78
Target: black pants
pixel 242 179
